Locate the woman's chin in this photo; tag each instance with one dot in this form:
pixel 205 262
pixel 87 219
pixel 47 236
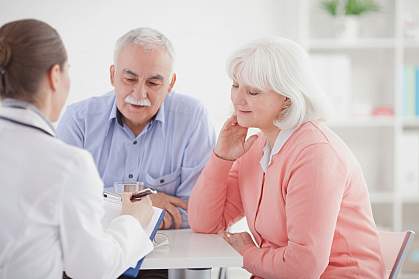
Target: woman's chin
pixel 244 123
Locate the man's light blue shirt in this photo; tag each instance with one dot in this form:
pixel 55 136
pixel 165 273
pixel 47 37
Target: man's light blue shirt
pixel 168 155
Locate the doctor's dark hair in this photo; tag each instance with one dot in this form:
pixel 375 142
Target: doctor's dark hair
pixel 29 48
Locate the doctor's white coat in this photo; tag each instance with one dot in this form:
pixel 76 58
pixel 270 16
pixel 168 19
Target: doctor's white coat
pixel 51 207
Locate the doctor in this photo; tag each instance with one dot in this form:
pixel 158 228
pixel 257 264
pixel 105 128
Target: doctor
pixel 52 205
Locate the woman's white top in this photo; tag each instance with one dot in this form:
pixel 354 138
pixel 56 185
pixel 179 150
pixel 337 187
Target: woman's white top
pixel 51 206
pixel 269 152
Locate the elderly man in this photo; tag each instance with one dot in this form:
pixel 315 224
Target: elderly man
pixel 142 130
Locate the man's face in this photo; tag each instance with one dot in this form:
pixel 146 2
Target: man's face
pixel 142 79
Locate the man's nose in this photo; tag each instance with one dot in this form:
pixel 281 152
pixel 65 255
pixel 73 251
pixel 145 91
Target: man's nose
pixel 140 91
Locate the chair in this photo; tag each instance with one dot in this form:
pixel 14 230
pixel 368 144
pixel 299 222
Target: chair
pixel 394 246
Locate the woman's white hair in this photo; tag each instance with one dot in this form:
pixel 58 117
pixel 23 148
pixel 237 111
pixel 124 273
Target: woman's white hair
pixel 146 37
pixel 283 66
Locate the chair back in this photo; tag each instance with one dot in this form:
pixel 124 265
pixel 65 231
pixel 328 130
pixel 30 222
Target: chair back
pixel 394 247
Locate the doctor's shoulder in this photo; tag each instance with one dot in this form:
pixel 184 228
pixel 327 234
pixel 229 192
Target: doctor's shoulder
pixel 76 166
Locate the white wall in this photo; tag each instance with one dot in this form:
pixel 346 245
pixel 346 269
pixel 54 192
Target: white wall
pixel 203 33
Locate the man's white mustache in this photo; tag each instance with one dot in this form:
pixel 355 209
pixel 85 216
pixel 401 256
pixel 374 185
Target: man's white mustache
pixel 137 102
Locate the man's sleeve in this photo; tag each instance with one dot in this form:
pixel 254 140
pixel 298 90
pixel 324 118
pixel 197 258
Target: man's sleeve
pixel 195 156
pixel 69 129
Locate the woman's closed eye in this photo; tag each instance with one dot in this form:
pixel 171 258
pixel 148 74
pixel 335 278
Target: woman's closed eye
pixel 253 93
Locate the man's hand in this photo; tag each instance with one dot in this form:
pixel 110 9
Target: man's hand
pixel 170 204
pixel 239 241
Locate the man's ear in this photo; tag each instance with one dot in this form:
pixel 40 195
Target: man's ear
pixel 54 77
pixel 112 74
pixel 172 82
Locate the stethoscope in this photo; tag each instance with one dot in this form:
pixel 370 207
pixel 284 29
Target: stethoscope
pixel 23 123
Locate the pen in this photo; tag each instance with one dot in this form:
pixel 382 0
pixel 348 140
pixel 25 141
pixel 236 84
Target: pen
pixel 135 196
pixel 112 196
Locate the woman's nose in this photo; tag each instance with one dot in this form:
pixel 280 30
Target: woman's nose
pixel 237 97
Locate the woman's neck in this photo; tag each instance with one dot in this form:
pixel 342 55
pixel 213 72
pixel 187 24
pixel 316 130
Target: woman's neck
pixel 45 107
pixel 271 134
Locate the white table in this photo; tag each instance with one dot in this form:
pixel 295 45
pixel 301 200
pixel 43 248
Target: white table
pixel 187 251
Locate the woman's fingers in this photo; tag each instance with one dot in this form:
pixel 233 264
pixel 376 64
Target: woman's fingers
pixel 231 121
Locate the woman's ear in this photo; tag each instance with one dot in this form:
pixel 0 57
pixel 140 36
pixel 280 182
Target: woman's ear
pixel 286 104
pixel 54 77
pixel 284 107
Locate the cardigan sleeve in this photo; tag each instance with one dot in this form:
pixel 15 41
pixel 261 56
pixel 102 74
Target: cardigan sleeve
pixel 215 202
pixel 314 192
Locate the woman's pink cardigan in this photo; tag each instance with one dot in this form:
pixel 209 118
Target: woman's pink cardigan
pixel 309 213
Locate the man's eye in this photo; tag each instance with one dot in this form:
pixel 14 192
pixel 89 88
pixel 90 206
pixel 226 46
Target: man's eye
pixel 235 85
pixel 253 93
pixel 152 83
pixel 130 79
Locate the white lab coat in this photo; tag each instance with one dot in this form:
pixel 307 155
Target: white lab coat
pixel 51 208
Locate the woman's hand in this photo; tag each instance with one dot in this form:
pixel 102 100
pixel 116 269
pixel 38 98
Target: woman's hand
pixel 239 241
pixel 141 210
pixel 232 143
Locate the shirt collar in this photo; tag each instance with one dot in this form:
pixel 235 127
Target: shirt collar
pixel 269 152
pixel 32 117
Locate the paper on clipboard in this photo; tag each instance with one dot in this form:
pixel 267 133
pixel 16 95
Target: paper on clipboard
pixel 113 210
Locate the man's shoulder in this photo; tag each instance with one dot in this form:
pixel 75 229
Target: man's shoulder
pixel 93 106
pixel 184 104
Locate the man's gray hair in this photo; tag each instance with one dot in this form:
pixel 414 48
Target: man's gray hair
pixel 146 37
pixel 283 66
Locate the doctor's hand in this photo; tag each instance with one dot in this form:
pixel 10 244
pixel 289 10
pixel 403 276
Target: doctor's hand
pixel 239 241
pixel 141 210
pixel 232 143
pixel 170 204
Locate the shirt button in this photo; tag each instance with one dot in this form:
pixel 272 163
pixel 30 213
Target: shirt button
pixel 135 142
pixel 130 176
pixel 161 180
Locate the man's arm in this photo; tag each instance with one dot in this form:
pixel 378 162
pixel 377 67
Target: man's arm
pixel 198 148
pixel 196 154
pixel 69 129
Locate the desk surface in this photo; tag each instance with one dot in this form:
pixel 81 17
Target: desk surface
pixel 192 250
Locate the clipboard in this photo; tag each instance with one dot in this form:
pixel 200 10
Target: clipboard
pixel 113 209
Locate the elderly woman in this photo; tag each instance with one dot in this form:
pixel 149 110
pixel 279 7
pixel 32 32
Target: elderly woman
pixel 52 204
pixel 299 186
